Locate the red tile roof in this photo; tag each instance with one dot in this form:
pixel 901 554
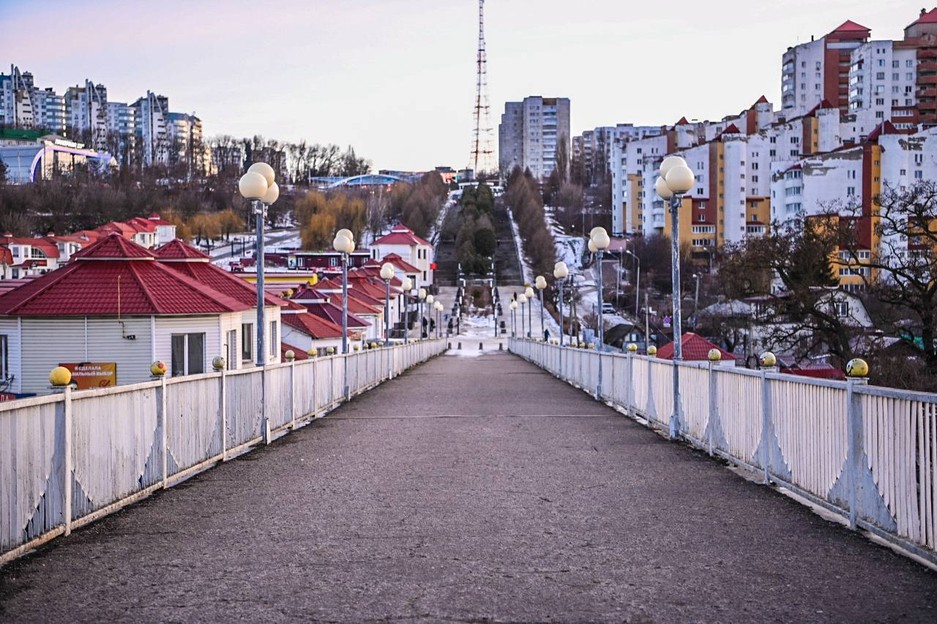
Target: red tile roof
pixel 355 305
pixel 158 220
pixel 850 26
pixel 333 313
pixel 400 235
pixel 196 265
pixel 400 263
pixel 695 348
pixel 927 17
pixel 115 277
pixel 178 250
pixel 141 225
pixel 298 353
pixel 314 326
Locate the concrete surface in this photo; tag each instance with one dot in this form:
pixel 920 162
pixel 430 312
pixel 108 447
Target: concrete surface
pixel 468 490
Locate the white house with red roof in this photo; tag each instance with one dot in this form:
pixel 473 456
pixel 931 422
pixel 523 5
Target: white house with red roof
pixel 411 249
pixel 695 348
pixel 303 331
pixel 239 344
pixel 29 256
pixel 116 303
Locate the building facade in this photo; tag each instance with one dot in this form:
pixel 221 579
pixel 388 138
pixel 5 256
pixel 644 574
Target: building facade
pixel 532 132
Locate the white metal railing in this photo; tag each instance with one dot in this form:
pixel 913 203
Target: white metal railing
pixel 69 458
pixel 866 452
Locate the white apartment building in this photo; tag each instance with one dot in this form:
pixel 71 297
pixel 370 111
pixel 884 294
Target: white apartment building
pixel 530 133
pixel 86 114
pixel 150 117
pixel 22 105
pixel 882 85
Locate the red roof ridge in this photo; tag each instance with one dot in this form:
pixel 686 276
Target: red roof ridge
pixel 179 251
pixel 849 26
pixel 926 17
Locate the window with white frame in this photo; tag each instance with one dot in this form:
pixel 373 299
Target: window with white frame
pixel 4 356
pixel 274 339
pixel 247 342
pixel 188 354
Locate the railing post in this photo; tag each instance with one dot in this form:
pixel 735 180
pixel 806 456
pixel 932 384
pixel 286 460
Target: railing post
pixel 293 394
pixel 264 422
pixel 224 414
pixel 676 416
pixel 767 425
pixel 855 451
pixel 713 403
pixel 164 428
pixel 67 443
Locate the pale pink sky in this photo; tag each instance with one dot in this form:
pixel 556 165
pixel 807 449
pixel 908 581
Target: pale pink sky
pixel 396 78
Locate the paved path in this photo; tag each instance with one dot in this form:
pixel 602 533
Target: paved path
pixel 470 489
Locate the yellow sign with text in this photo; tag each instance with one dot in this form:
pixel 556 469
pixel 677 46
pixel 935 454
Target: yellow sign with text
pixel 87 375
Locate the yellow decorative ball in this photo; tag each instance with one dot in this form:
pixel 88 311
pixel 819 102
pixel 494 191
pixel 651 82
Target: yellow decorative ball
pixel 290 355
pixel 311 352
pixel 330 350
pixel 715 355
pixel 374 345
pixel 857 367
pixel 158 368
pixel 357 347
pixel 60 376
pixel 218 363
pixel 652 350
pixel 767 360
pixel 632 347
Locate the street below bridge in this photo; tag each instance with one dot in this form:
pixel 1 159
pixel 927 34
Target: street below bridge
pixel 476 487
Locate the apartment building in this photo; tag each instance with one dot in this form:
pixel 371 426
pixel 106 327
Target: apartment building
pixel 86 114
pixel 23 105
pixel 531 132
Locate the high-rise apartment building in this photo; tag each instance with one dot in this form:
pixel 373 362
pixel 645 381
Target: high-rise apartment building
pixel 22 105
pixel 150 118
pixel 531 132
pixel 86 114
pixel 819 70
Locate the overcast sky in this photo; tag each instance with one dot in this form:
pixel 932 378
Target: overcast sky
pixel 396 78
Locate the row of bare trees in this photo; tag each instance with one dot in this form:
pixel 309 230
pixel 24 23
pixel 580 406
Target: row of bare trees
pixel 522 195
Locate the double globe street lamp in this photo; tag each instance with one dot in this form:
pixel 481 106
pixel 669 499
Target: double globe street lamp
pixel 529 298
pixel 560 273
pixel 676 178
pixel 598 243
pixel 387 274
pixel 513 308
pixel 407 287
pixel 541 283
pixel 258 187
pixel 522 301
pixel 344 243
pixel 421 297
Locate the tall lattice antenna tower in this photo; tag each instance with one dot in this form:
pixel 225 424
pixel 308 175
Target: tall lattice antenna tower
pixel 482 153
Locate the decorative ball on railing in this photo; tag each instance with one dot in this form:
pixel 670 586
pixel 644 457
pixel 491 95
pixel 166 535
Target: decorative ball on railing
pixel 715 355
pixel 357 347
pixel 158 368
pixel 632 347
pixel 312 352
pixel 330 350
pixel 857 367
pixel 374 345
pixel 290 355
pixel 767 360
pixel 218 363
pixel 652 350
pixel 60 376
pixel 590 346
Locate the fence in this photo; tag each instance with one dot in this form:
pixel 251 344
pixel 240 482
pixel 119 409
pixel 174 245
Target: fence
pixel 868 453
pixel 68 459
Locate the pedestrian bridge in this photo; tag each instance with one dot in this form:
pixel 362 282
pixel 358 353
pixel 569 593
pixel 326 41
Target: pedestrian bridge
pixel 479 487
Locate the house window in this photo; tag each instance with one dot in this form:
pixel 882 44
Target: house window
pixel 841 308
pixel 247 342
pixel 4 356
pixel 231 349
pixel 188 354
pixel 274 340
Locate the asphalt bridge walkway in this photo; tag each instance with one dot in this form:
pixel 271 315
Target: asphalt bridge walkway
pixel 469 489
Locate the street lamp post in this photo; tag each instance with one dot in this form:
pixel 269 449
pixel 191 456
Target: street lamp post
pixel 599 242
pixel 541 283
pixel 429 312
pixel 387 273
pixel 407 286
pixel 560 273
pixel 344 243
pixel 258 186
pixel 421 297
pixel 513 308
pixel 439 308
pixel 522 301
pixel 637 286
pixel 676 178
pixel 529 298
